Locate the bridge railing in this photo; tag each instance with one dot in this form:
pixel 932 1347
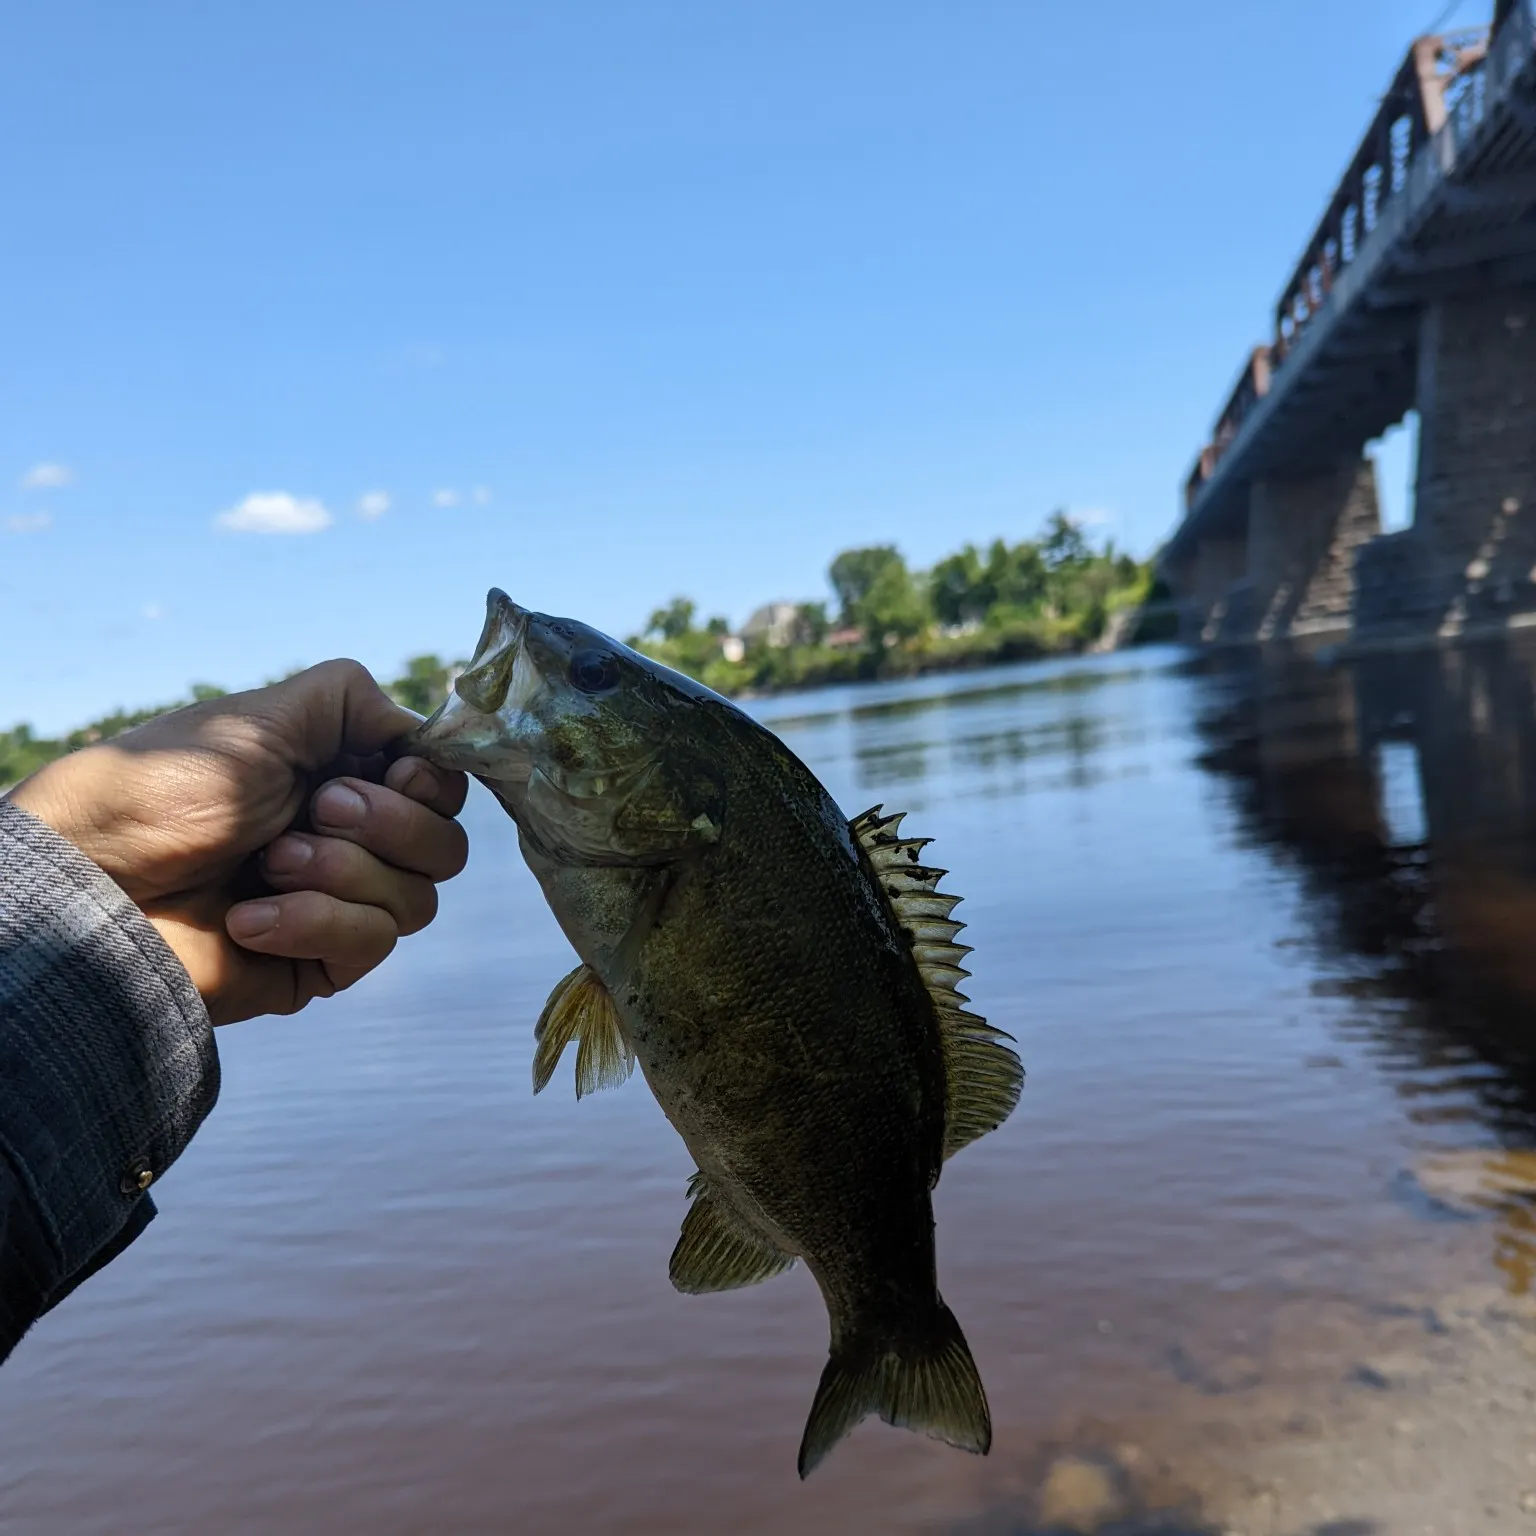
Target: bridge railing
pixel 1436 100
pixel 1441 75
pixel 1251 387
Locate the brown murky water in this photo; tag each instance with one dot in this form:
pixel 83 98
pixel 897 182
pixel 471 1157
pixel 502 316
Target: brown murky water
pixel 1267 936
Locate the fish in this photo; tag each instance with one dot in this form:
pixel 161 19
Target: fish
pixel 786 979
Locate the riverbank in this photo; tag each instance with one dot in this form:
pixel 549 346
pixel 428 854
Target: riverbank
pixel 797 669
pixel 1409 1417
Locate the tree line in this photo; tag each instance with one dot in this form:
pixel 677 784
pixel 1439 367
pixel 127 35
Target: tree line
pixel 1054 593
pixel 1051 594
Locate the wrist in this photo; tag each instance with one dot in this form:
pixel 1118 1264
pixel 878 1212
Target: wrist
pixel 55 795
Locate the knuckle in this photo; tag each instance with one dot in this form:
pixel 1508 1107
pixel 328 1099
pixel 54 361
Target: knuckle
pixel 336 865
pixel 455 850
pixel 316 913
pixel 370 929
pixel 419 907
pixel 347 670
pixel 455 793
pixel 342 677
pixel 376 943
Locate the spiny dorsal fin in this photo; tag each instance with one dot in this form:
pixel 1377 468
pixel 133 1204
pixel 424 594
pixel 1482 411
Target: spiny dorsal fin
pixel 581 1009
pixel 983 1078
pixel 717 1250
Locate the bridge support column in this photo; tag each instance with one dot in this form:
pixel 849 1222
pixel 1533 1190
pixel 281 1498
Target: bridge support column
pixel 1302 539
pixel 1203 584
pixel 1475 511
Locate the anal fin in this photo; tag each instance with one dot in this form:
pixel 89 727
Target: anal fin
pixel 717 1250
pixel 580 1008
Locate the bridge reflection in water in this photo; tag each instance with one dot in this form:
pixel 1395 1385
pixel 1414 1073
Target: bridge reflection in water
pixel 1402 790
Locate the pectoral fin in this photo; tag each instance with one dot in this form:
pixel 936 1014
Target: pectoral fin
pixel 581 1009
pixel 717 1250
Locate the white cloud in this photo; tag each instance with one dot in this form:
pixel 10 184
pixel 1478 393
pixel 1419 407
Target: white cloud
pixel 481 495
pixel 445 498
pixel 47 477
pixel 28 522
pixel 275 512
pixel 152 612
pixel 1094 517
pixel 373 504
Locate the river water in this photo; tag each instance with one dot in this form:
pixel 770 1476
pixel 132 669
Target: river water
pixel 1264 932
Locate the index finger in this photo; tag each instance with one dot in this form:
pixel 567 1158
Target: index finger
pixel 334 709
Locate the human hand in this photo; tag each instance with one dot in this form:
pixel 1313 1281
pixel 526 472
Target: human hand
pixel 266 834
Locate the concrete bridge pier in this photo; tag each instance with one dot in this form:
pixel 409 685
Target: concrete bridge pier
pixel 1475 503
pixel 1302 539
pixel 1203 583
pixel 1469 560
pixel 1289 572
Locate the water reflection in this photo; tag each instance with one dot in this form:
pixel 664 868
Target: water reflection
pixel 999 737
pixel 1402 790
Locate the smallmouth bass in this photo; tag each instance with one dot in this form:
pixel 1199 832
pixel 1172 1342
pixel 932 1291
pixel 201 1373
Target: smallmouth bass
pixel 785 978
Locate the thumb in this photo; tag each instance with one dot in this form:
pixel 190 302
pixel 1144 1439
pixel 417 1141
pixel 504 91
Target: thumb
pixel 336 708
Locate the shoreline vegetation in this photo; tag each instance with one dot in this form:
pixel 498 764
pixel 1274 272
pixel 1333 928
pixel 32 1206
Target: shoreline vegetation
pixel 1056 594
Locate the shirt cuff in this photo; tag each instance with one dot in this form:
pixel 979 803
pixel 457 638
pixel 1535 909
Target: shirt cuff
pixel 107 1060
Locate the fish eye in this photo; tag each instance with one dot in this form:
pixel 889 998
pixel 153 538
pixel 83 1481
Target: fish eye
pixel 593 671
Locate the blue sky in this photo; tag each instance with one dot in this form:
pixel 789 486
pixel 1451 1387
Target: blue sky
pixel 666 298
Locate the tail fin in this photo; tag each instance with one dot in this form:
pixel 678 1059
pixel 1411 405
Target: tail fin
pixel 928 1382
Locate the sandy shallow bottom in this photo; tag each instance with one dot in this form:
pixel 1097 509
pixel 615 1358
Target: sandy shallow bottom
pixel 1409 1417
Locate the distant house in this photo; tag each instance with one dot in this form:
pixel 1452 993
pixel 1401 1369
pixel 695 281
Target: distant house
pixel 774 624
pixel 733 647
pixel 842 639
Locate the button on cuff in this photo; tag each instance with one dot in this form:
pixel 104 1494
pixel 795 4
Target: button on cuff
pixel 137 1177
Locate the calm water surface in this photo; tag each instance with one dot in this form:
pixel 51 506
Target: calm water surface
pixel 1264 936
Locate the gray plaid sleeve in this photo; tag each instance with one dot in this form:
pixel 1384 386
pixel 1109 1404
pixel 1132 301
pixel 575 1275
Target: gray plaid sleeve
pixel 107 1068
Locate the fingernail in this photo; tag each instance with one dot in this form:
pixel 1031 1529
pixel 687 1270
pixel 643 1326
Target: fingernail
pixel 339 806
pixel 252 919
pixel 288 855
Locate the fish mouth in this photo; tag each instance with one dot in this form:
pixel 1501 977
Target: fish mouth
pixel 485 682
pixel 470 728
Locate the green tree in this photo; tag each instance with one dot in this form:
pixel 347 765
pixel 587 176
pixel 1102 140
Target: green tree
pixel 962 589
pixel 854 573
pixel 1017 576
pixel 895 605
pixel 1064 543
pixel 674 621
pixel 811 625
pixel 424 686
